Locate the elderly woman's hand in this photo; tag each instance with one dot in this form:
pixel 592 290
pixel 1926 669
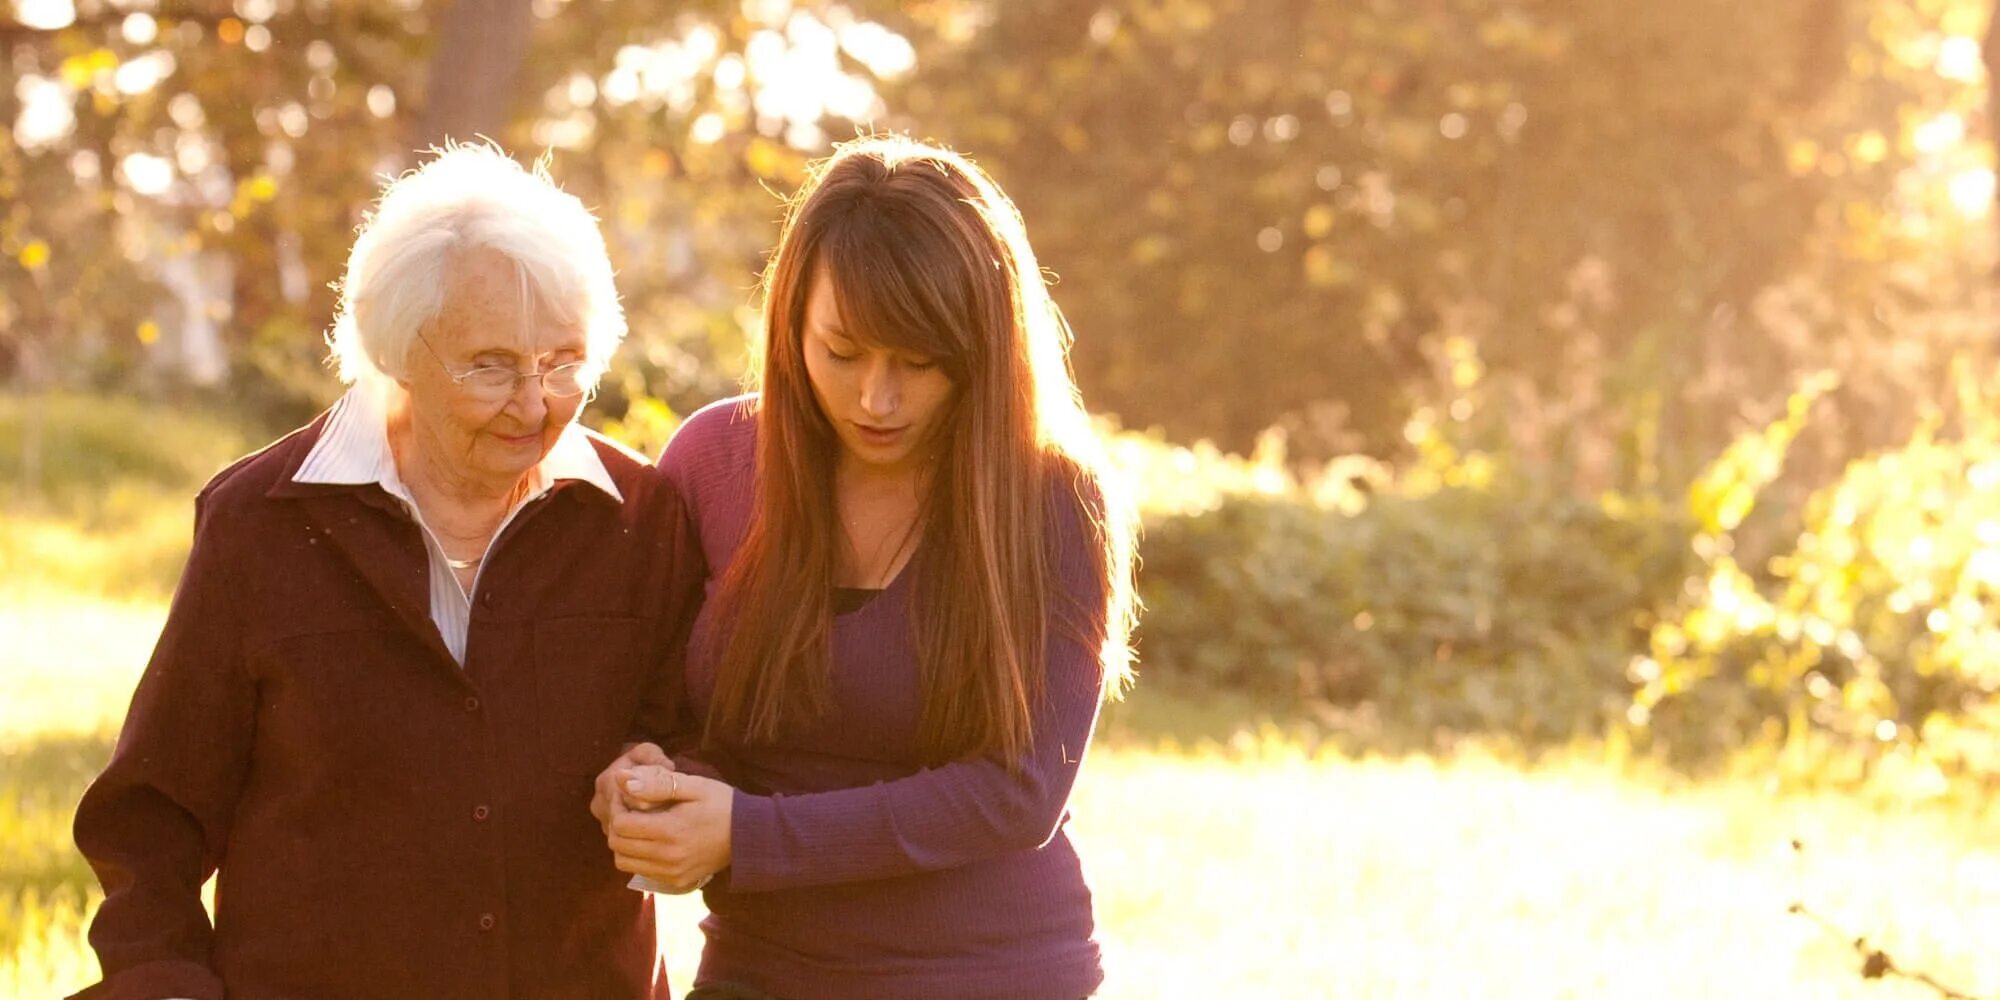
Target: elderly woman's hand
pixel 684 840
pixel 611 782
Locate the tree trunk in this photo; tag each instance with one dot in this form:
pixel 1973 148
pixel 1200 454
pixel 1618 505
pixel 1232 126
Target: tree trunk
pixel 1990 53
pixel 1822 57
pixel 480 45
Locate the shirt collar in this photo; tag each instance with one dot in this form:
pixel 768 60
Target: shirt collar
pixel 353 448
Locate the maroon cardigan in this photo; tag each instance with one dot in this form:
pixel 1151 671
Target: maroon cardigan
pixel 384 823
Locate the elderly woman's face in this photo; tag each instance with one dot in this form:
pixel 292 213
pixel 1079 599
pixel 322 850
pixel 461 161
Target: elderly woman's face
pixel 482 434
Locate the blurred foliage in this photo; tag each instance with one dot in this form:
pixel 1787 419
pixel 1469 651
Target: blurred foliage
pixel 1454 595
pixel 46 889
pixel 64 451
pixel 1460 595
pixel 1875 634
pixel 1494 611
pixel 1262 211
pixel 97 496
pixel 1463 304
pixel 182 166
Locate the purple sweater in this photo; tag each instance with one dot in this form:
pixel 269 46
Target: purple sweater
pixel 856 871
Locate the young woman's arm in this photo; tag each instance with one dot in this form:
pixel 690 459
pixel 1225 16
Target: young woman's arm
pixel 942 817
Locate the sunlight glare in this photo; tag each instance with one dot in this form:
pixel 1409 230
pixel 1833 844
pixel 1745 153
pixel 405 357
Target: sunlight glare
pixel 886 54
pixel 1958 59
pixel 770 12
pixel 138 76
pixel 46 114
pixel 1939 133
pixel 1972 192
pixel 45 15
pixel 139 28
pixel 702 44
pixel 147 174
pixel 707 129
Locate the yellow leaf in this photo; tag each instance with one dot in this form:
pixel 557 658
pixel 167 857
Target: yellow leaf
pixel 1151 249
pixel 35 256
pixel 1319 221
pixel 1734 505
pixel 262 187
pixel 634 212
pixel 1871 147
pixel 1964 20
pixel 76 72
pixel 1803 156
pixel 149 332
pixel 765 157
pixel 1326 268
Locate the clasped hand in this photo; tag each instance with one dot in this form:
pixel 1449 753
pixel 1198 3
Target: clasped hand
pixel 665 824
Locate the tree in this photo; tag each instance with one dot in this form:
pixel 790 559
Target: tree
pixel 1642 215
pixel 213 157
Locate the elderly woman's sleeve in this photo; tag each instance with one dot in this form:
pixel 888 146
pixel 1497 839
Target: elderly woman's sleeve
pixel 665 717
pixel 961 812
pixel 154 825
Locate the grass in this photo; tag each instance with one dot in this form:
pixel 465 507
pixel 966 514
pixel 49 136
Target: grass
pixel 1237 861
pixel 1228 857
pixel 98 495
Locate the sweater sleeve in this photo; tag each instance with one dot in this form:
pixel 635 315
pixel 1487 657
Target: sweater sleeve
pixel 957 813
pixel 663 715
pixel 155 824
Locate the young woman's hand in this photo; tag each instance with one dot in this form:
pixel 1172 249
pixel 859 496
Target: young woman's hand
pixel 611 782
pixel 683 840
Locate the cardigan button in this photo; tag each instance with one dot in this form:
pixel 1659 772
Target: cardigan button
pixel 487 922
pixel 480 813
pixel 471 704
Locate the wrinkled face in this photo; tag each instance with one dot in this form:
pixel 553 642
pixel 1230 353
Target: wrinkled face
pixel 887 406
pixel 483 434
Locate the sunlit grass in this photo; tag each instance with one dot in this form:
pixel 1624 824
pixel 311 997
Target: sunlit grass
pixel 68 665
pixel 1279 874
pixel 98 494
pixel 66 674
pixel 134 548
pixel 1225 876
pixel 1228 857
pixel 1238 862
pixel 46 890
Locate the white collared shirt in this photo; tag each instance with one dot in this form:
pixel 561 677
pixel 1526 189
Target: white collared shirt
pixel 353 449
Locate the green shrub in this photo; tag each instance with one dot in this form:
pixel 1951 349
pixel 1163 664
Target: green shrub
pixel 1477 608
pixel 65 451
pixel 97 494
pixel 1876 633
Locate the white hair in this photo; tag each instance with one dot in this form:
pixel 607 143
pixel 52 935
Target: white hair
pixel 470 197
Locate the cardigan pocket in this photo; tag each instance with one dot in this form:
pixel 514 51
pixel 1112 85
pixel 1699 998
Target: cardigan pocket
pixel 588 677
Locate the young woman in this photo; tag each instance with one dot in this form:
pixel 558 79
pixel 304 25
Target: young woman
pixel 919 589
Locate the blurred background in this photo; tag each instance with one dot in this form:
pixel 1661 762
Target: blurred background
pixel 1566 429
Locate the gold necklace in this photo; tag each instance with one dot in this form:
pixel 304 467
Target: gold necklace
pixel 902 542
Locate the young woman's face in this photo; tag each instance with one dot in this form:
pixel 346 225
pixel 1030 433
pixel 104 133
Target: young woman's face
pixel 887 406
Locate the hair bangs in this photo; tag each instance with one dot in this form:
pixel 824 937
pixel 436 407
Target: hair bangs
pixel 899 286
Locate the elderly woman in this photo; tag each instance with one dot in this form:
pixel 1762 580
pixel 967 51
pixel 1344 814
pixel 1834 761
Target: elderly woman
pixel 407 637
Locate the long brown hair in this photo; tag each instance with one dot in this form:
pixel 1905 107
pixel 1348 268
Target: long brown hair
pixel 926 256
